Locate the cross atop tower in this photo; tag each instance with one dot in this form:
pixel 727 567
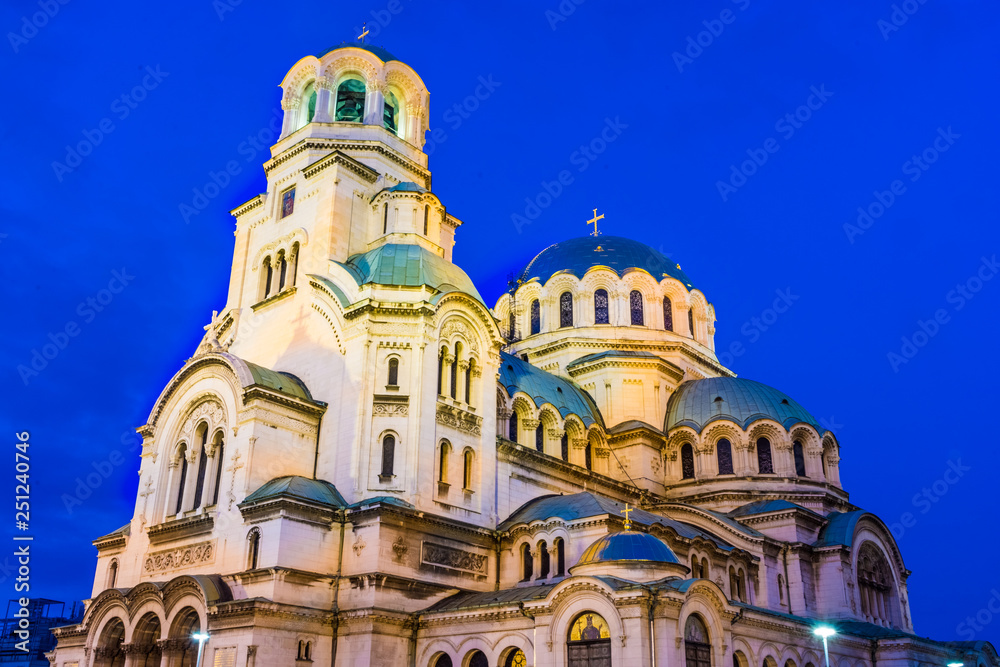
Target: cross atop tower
pixel 364 31
pixel 594 223
pixel 628 521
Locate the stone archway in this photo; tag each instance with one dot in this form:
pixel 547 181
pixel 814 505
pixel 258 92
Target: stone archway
pixel 110 651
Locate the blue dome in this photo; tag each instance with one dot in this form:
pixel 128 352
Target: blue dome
pixel 628 545
pixel 409 265
pixel 377 51
pixel 697 403
pixel 621 255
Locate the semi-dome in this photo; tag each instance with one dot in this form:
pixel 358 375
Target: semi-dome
pixel 697 403
pixel 377 51
pixel 411 266
pixel 628 545
pixel 621 255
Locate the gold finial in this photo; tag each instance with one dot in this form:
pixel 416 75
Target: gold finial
pixel 364 31
pixel 594 223
pixel 628 521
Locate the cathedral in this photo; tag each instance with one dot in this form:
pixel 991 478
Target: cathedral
pixel 364 463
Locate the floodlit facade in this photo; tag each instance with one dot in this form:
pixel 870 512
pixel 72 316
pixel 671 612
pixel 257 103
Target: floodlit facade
pixel 364 463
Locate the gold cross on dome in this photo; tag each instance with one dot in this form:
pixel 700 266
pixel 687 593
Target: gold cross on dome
pixel 364 31
pixel 594 223
pixel 628 521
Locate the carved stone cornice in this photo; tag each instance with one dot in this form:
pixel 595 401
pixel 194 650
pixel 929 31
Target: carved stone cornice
pixel 177 529
pixel 390 405
pixel 339 145
pixel 172 559
pixel 454 417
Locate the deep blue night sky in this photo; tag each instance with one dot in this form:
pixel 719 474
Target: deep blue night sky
pixel 887 94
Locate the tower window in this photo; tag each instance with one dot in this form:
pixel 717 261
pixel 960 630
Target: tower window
pixel 635 306
pixel 668 314
pixel 287 202
pixel 566 310
pixel 253 549
pixel 393 372
pixel 513 427
pixel 724 454
pixel 691 321
pixel 588 456
pixel 559 546
pixel 443 461
pixel 113 574
pixel 467 462
pixel 220 458
pixel 540 437
pixel 543 560
pixel 183 468
pixel 687 461
pixel 351 101
pixel 765 465
pixel 385 218
pixel 536 317
pixel 800 460
pixel 564 447
pixel 388 457
pixel 527 562
pixel 601 307
pixel 427 212
pixel 390 113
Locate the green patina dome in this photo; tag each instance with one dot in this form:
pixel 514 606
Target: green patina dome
pixel 697 403
pixel 409 266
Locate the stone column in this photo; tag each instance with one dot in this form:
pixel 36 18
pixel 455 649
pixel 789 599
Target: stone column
pixel 322 114
pixel 252 655
pixel 796 587
pixel 373 103
pixel 460 380
pixel 449 359
pixel 290 106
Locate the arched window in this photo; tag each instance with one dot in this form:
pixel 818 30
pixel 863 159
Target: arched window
pixel 536 316
pixel 559 547
pixel 635 307
pixel 697 649
pixel 513 426
pixel 112 574
pixel 444 660
pixel 309 650
pixel 219 454
pixel 589 641
pixel 800 459
pixel 390 113
pixel 467 470
pixel 266 276
pixel 564 446
pixel 282 271
pixel 441 358
pixel 588 456
pixel 527 562
pixel 388 457
pixel 543 560
pixel 566 310
pixel 478 659
pixel 427 212
pixel 350 101
pixel 454 371
pixel 468 383
pixel 182 469
pixel 393 372
pixel 516 658
pixel 705 574
pixel 301 652
pixel 764 464
pixel 253 549
pixel 687 461
pixel 385 218
pixel 724 454
pixel 668 314
pixel 691 322
pixel 695 568
pixel 601 307
pixel 308 104
pixel 540 437
pixel 199 486
pixel 875 586
pixel 443 461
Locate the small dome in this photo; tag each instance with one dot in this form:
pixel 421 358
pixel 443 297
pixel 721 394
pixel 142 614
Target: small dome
pixel 628 546
pixel 409 265
pixel 697 403
pixel 577 256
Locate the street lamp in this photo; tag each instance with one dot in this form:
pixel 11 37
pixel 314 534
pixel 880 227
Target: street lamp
pixel 955 664
pixel 202 637
pixel 825 631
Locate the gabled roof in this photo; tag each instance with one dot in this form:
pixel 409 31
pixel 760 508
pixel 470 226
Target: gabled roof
pixel 543 387
pixel 317 491
pixel 766 506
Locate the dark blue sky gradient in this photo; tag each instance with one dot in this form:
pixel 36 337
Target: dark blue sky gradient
pixel 783 229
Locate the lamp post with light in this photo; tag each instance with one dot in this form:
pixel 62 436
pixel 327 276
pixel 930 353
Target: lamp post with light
pixel 825 631
pixel 201 637
pixel 956 664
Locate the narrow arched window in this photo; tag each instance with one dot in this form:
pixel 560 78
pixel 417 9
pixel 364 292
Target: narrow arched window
pixel 705 574
pixel 566 310
pixel 527 562
pixel 388 457
pixel 564 447
pixel 536 316
pixel 697 648
pixel 182 469
pixel 453 390
pixel 298 655
pixel 350 101
pixel 199 486
pixel 219 454
pixel 253 549
pixel 427 212
pixel 695 568
pixel 385 218
pixel 443 461
pixel 468 383
pixel 724 454
pixel 390 113
pixel 266 278
pixel 295 264
pixel 309 650
pixel 559 546
pixel 543 560
pixel 800 459
pixel 467 470
pixel 668 314
pixel 601 307
pixel 691 322
pixel 282 271
pixel 441 357
pixel 540 437
pixel 309 103
pixel 588 456
pixel 393 372
pixel 112 574
pixel 687 461
pixel 513 427
pixel 764 464
pixel 635 307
